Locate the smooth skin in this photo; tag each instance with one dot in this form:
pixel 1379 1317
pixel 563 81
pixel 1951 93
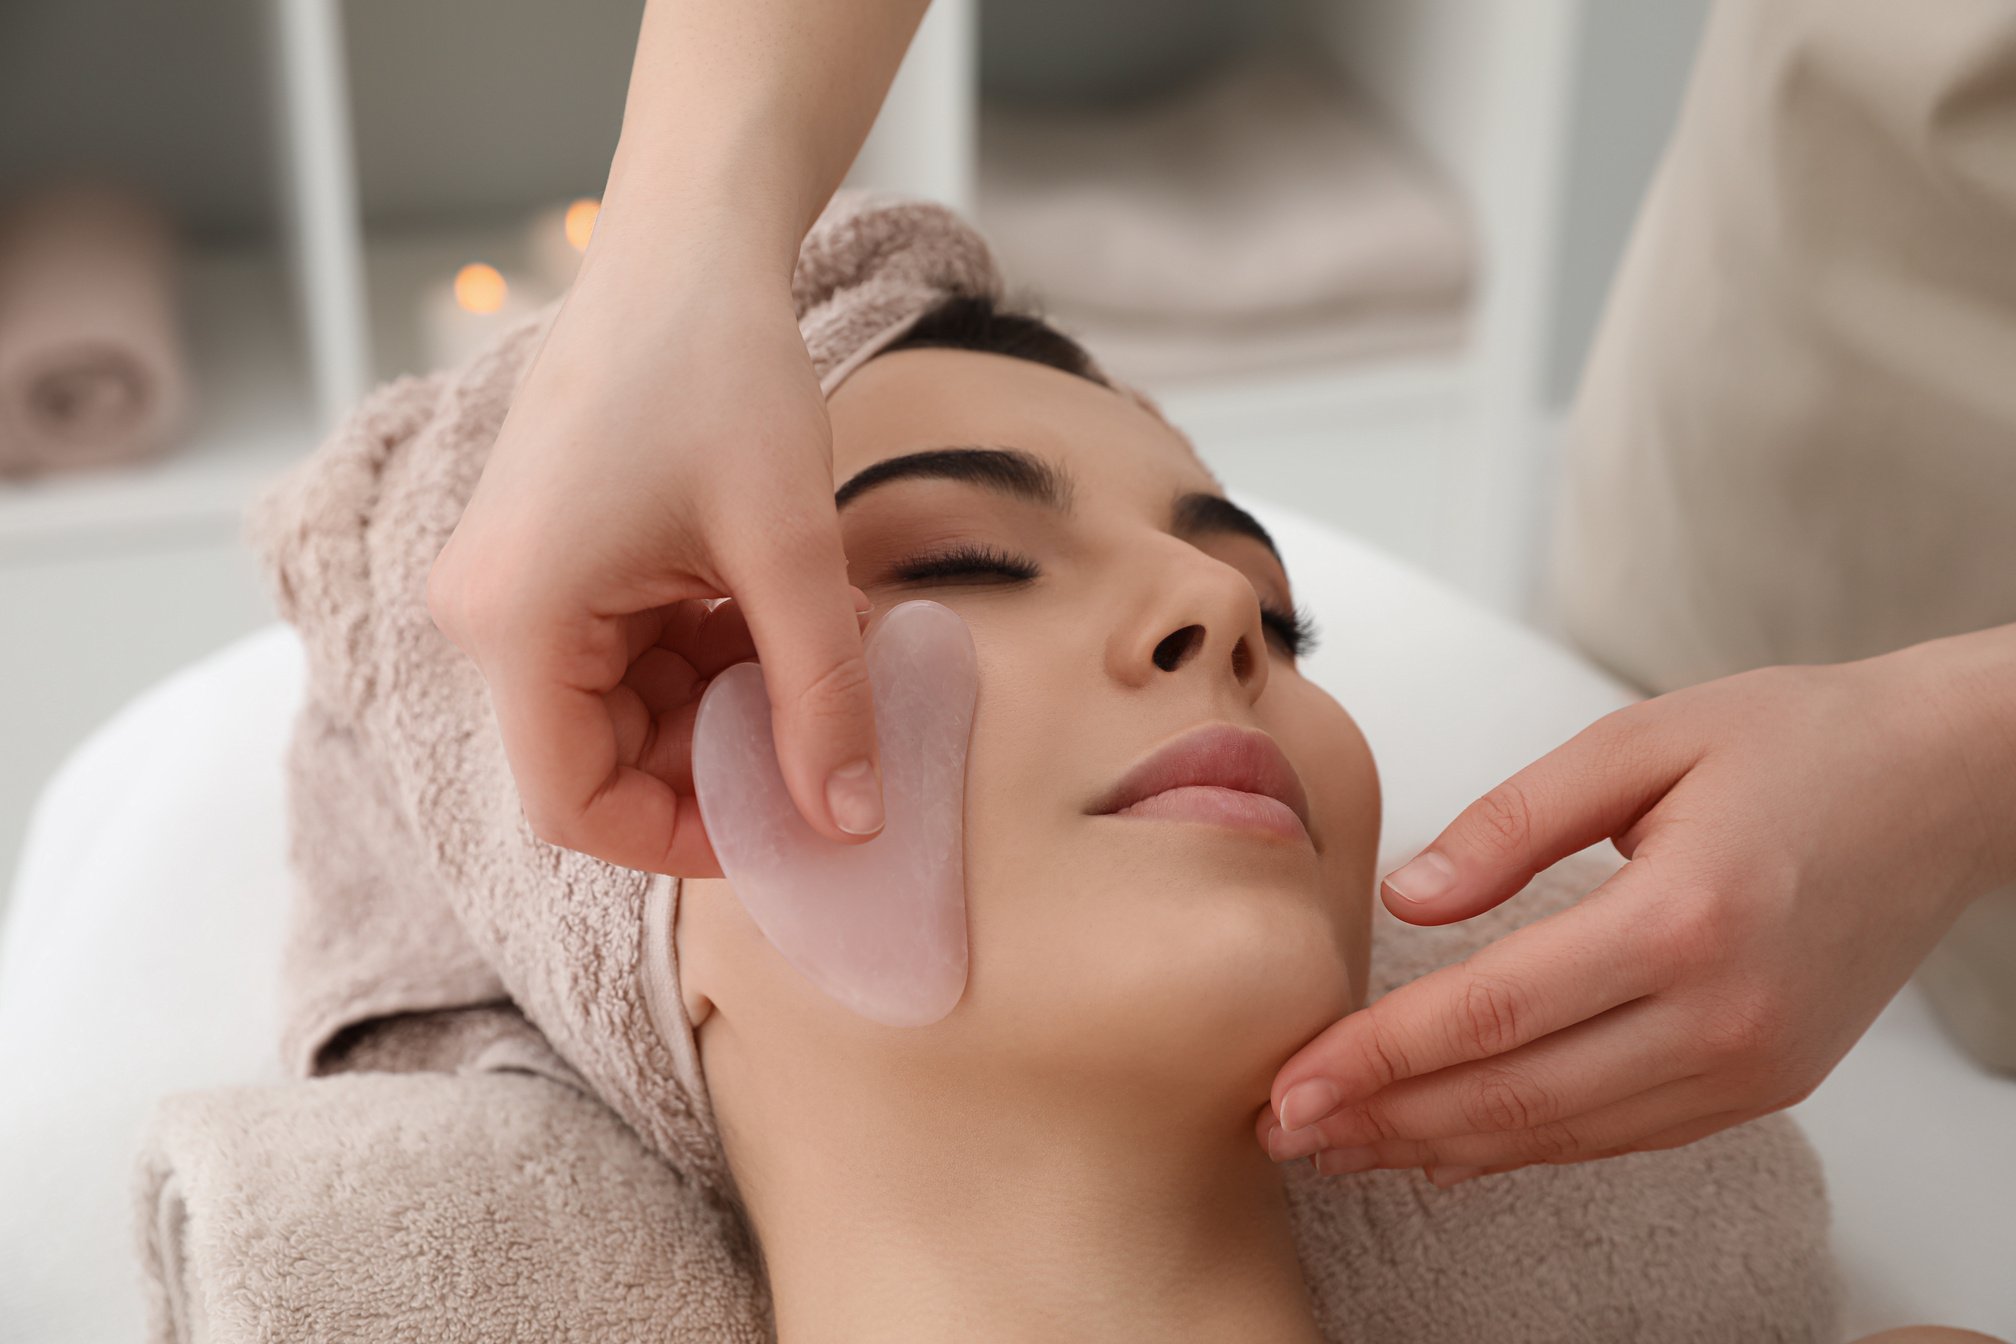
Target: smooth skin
pixel 1798 837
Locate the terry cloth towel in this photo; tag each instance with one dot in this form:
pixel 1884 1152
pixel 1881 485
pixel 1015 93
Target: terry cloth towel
pixel 1190 236
pixel 500 1206
pixel 91 361
pixel 432 930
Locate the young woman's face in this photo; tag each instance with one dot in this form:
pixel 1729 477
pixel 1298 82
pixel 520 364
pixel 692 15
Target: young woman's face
pixel 1130 955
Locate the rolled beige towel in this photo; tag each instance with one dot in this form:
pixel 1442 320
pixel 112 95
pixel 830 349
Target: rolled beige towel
pixel 92 369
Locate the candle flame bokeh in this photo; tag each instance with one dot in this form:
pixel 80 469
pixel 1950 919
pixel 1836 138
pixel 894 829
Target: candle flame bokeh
pixel 579 223
pixel 480 288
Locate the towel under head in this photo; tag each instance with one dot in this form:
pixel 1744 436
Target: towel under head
pixel 434 931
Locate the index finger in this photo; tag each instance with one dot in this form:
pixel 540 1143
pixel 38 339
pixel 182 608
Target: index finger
pixel 1550 974
pixel 795 596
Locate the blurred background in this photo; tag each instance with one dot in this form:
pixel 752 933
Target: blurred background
pixel 1357 247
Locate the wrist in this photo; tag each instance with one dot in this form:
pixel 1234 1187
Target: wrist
pixel 675 248
pixel 731 194
pixel 1968 684
pixel 660 231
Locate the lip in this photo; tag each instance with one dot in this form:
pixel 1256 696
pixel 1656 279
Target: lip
pixel 1215 756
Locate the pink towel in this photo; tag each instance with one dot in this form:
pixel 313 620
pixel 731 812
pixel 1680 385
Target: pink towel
pixel 91 361
pixel 433 931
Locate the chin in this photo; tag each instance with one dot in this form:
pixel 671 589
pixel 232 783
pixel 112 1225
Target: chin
pixel 1196 1004
pixel 1266 975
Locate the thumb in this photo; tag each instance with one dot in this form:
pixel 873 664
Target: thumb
pixel 803 620
pixel 1594 786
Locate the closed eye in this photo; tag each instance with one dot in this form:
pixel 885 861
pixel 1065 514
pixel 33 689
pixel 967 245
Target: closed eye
pixel 967 558
pixel 1296 629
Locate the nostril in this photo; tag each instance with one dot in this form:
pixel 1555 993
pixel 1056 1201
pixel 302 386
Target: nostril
pixel 1169 654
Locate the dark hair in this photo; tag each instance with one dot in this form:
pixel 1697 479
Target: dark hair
pixel 972 322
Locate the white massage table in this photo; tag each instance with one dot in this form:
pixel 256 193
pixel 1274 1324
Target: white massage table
pixel 141 946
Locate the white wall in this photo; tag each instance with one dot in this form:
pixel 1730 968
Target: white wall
pixel 1629 76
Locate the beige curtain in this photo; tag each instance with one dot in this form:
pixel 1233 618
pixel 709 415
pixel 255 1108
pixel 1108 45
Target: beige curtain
pixel 1795 440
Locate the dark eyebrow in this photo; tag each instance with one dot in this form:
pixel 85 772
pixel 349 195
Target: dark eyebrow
pixel 1006 471
pixel 1025 476
pixel 1200 515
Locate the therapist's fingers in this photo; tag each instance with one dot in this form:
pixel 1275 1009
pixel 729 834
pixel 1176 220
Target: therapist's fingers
pixel 791 583
pixel 1628 1126
pixel 677 651
pixel 562 740
pixel 669 679
pixel 1557 1078
pixel 1553 973
pixel 1595 786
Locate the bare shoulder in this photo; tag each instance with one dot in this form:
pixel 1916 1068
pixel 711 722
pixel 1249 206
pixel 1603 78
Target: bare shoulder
pixel 1929 1334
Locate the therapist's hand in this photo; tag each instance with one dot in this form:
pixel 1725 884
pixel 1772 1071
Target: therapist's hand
pixel 1797 840
pixel 669 445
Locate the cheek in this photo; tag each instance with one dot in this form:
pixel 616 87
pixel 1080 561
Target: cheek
pixel 1093 968
pixel 1142 959
pixel 1345 802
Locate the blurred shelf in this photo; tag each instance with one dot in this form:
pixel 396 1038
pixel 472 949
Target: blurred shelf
pixel 363 137
pixel 253 415
pixel 1258 224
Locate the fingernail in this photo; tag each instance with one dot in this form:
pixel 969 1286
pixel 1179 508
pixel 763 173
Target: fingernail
pixel 1428 877
pixel 1283 1146
pixel 1307 1102
pixel 854 797
pixel 1448 1176
pixel 1346 1161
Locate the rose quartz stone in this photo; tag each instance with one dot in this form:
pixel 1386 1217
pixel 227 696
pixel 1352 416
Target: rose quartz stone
pixel 879 926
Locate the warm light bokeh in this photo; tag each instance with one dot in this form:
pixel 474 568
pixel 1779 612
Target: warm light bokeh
pixel 580 222
pixel 480 288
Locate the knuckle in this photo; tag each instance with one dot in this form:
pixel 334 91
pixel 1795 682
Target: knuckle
pixel 1504 818
pixel 1687 927
pixel 1380 1054
pixel 1502 1101
pixel 1362 1126
pixel 1555 1141
pixel 836 692
pixel 1490 1016
pixel 1739 1031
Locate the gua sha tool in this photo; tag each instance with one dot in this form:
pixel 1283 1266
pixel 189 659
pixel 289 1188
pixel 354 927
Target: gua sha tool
pixel 880 926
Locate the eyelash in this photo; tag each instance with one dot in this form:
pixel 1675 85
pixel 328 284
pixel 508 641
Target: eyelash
pixel 1296 627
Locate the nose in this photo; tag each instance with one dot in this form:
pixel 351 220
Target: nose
pixel 1198 616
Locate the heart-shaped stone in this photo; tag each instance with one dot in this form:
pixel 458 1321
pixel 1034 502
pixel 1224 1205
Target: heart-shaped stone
pixel 881 925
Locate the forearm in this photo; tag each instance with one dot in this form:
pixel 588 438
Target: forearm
pixel 741 119
pixel 1970 682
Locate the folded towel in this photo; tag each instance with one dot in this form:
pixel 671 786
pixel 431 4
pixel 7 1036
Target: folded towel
pixel 426 1206
pixel 505 1206
pixel 91 360
pixel 433 930
pixel 1265 208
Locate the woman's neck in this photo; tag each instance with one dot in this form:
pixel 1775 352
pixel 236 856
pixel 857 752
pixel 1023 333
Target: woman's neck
pixel 991 1220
